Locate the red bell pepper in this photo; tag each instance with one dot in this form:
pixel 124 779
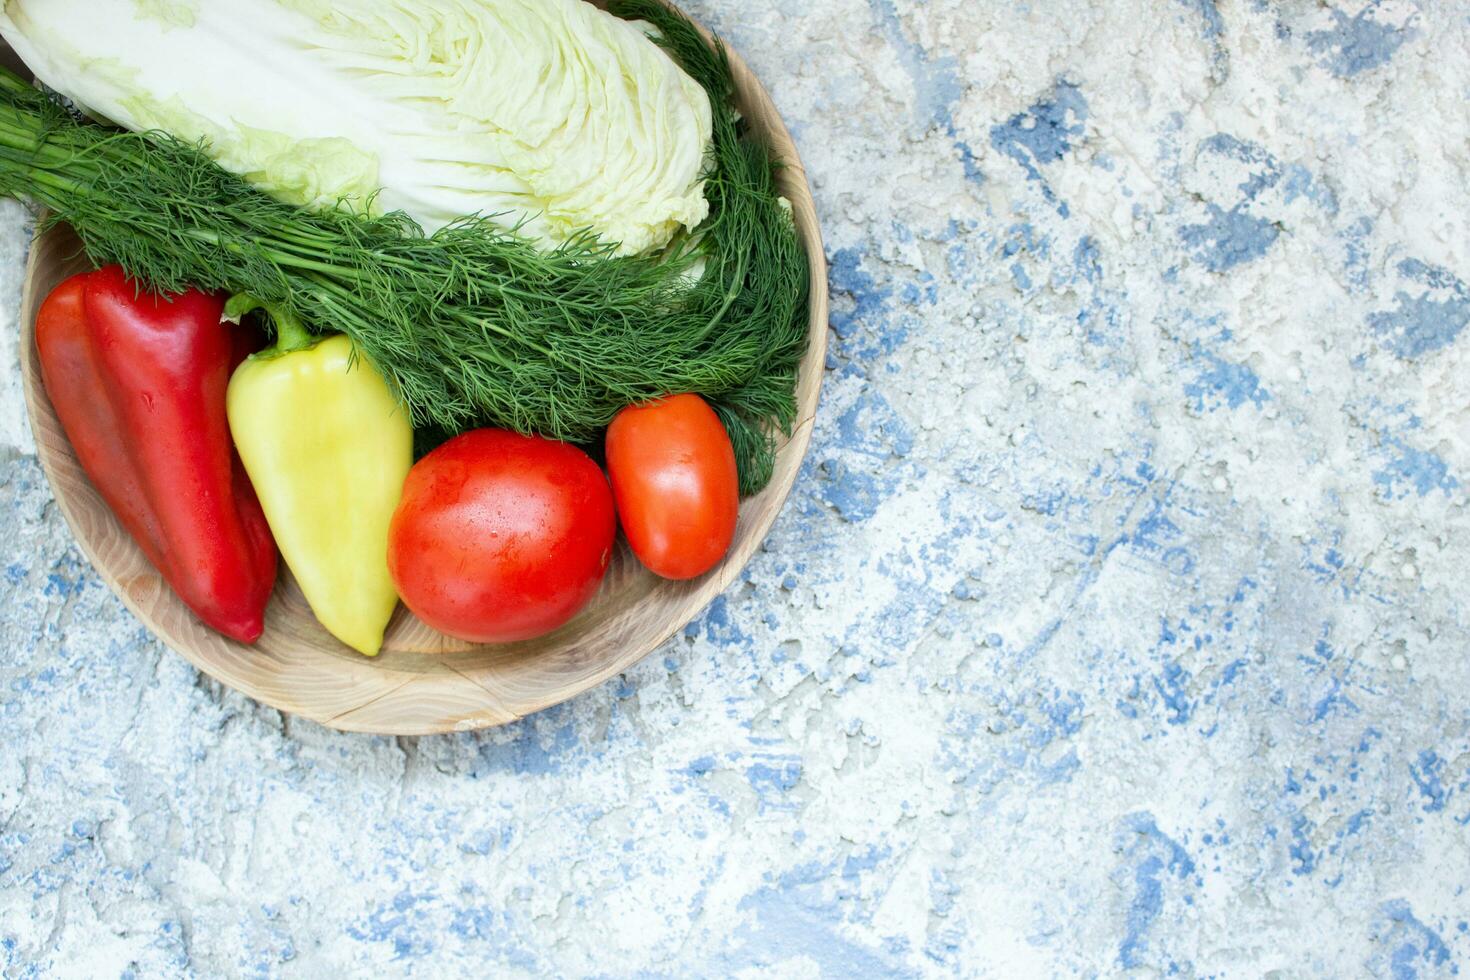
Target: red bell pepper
pixel 139 382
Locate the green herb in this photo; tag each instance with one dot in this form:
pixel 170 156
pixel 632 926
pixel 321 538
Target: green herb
pixel 470 325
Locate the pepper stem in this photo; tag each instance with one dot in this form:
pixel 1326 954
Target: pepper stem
pixel 291 334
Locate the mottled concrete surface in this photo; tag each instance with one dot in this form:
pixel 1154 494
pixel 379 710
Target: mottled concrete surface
pixel 1118 621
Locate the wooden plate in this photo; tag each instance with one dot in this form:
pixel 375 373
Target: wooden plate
pixel 424 682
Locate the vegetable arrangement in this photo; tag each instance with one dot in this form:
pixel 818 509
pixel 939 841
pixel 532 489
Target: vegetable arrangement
pixel 440 247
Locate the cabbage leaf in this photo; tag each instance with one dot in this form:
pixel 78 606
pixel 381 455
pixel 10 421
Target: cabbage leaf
pixel 550 114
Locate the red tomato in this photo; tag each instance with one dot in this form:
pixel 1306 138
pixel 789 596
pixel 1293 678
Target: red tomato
pixel 500 536
pixel 674 480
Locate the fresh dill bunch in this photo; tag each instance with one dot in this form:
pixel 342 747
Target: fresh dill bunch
pixel 471 325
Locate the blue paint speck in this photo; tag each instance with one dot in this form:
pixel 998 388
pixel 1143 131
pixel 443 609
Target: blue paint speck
pixel 1265 170
pixel 1229 238
pixel 1299 183
pixel 1303 858
pixel 57 585
pixel 1044 133
pixel 1353 45
pixel 1331 701
pixel 1065 713
pixel 1427 774
pixel 1355 248
pixel 936 81
pixel 1173 689
pixel 859 309
pixel 1087 259
pixel 1421 470
pixel 1212 26
pixel 773 779
pixel 863 861
pixel 526 754
pixel 1221 383
pixel 1158 856
pixel 797 915
pixel 1429 319
pixel 1412 942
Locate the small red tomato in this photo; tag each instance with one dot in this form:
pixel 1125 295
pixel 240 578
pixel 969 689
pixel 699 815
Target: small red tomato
pixel 500 536
pixel 674 479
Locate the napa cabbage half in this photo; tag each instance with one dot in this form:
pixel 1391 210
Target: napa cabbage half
pixel 551 114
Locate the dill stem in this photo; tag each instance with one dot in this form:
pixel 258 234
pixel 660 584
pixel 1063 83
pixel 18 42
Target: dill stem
pixel 737 282
pixel 46 179
pixel 281 258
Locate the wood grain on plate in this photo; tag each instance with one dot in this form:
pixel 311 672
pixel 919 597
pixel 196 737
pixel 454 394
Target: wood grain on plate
pixel 425 682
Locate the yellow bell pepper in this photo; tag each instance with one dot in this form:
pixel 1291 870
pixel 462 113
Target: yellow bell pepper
pixel 327 447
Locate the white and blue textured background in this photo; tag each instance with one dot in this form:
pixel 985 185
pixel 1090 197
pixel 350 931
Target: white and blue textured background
pixel 1118 621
